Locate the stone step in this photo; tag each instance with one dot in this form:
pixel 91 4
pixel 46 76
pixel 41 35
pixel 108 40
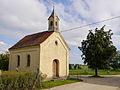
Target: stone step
pixel 57 79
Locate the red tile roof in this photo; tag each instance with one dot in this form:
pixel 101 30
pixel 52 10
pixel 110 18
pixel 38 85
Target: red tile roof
pixel 32 40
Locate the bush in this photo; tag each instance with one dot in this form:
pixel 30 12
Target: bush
pixel 11 80
pixel 4 61
pixel 71 66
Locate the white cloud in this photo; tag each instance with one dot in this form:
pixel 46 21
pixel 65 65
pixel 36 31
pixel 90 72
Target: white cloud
pixel 116 40
pixel 23 16
pixel 3 47
pixel 90 11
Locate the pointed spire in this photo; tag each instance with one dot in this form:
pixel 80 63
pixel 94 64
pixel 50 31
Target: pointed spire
pixel 53 7
pixel 52 14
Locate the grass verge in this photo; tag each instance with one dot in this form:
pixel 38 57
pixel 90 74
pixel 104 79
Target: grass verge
pixel 50 84
pixel 87 71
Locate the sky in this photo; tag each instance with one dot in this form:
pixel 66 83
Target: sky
pixel 19 18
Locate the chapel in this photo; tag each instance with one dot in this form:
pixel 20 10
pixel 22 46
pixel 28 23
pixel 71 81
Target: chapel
pixel 46 51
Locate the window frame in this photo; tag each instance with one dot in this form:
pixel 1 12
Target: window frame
pixel 18 60
pixel 28 60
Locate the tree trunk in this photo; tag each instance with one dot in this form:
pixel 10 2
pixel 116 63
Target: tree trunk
pixel 96 72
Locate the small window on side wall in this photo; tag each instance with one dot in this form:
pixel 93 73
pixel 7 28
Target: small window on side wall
pixel 18 60
pixel 28 60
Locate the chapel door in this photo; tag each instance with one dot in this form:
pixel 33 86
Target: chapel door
pixel 55 68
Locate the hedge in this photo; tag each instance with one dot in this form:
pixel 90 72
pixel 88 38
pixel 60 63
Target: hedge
pixel 11 80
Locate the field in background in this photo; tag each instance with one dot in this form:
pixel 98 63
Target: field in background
pixel 86 71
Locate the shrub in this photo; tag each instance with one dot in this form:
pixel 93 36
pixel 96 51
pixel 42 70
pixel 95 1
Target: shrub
pixel 11 80
pixel 4 61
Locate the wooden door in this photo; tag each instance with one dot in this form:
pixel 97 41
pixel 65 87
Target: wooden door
pixel 55 68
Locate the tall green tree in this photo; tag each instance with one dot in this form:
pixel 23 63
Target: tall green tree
pixel 4 61
pixel 98 49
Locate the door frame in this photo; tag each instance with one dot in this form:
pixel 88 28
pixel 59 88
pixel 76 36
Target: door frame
pixel 55 68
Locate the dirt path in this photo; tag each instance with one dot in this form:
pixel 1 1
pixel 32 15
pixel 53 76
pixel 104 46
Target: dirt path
pixel 106 83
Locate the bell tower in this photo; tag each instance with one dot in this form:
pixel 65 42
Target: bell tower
pixel 53 22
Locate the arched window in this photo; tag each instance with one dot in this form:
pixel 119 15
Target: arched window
pixel 18 60
pixel 28 60
pixel 51 23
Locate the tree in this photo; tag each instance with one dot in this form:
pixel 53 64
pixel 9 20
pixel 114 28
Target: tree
pixel 115 61
pixel 77 66
pixel 4 60
pixel 71 66
pixel 97 49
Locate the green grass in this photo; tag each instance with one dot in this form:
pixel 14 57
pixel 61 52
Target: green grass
pixel 50 84
pixel 86 71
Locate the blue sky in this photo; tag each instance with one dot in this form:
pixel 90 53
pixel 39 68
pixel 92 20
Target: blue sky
pixel 22 17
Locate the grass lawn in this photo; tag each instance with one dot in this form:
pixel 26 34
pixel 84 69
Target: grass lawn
pixel 50 84
pixel 86 71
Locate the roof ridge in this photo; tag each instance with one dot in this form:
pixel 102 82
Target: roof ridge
pixel 38 33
